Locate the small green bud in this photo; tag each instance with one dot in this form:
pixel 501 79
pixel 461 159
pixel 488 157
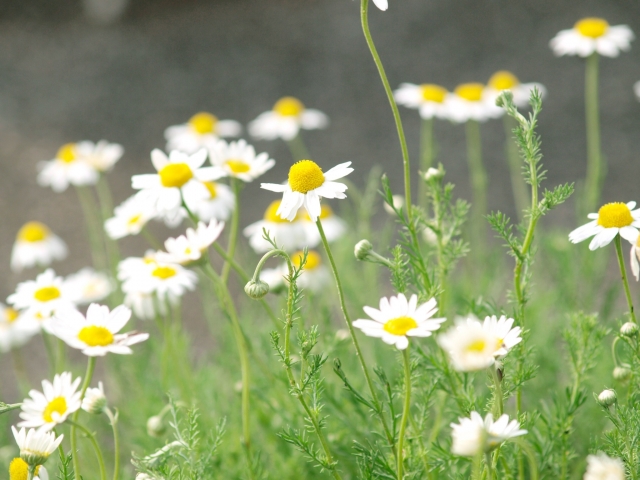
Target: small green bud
pixel 504 99
pixel 256 289
pixel 155 426
pixel 607 398
pixel 362 249
pixel 433 173
pixel 621 373
pixel 629 329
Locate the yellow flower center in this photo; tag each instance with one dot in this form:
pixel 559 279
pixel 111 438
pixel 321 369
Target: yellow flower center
pixel 270 213
pixel 164 272
pixel 400 325
pixel 211 188
pixel 11 315
pixel 476 346
pixel 325 212
pixel 33 232
pixel 433 93
pixel 133 220
pixel 592 27
pixel 288 107
pixel 238 166
pixel 503 80
pixel 19 470
pixel 305 176
pixel 175 175
pixel 67 153
pixel 614 215
pixel 96 336
pixel 314 260
pixel 470 91
pixel 203 122
pixel 57 405
pixel 46 294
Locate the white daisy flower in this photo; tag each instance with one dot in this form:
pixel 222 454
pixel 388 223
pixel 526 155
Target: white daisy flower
pixel 102 155
pixel 201 131
pixel 94 400
pixel 68 167
pixel 97 334
pixel 381 4
pixel 471 101
pixel 89 286
pixel 333 226
pixel 19 470
pixel 398 319
pixel 428 98
pixel 612 219
pixel 474 435
pixel 190 247
pixel 50 408
pixel 603 467
pixel 506 336
pixel 504 80
pixel 287 235
pixel 174 172
pixel 239 160
pixel 591 35
pixel 36 445
pixel 215 203
pixel 15 329
pixel 40 298
pixel 306 185
pixel 635 258
pixel 130 217
pixel 286 119
pixel 36 245
pixel 151 276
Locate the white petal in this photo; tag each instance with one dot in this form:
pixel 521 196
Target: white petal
pixel 603 238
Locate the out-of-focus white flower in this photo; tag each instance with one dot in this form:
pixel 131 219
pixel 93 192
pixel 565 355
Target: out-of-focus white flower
pixel 399 318
pixel 102 155
pixel 201 131
pixel 36 445
pixel 306 185
pixel 19 470
pixel 88 285
pixel 333 226
pixel 429 99
pixel 239 160
pixel 286 119
pixel 150 276
pixel 94 401
pixel 287 235
pixel 315 275
pixel 189 248
pixel 68 167
pixel 50 408
pixel 217 204
pixel 381 4
pixel 612 219
pixel 97 334
pixel 146 306
pixel 471 101
pixel 474 435
pixel 507 337
pixel 591 35
pixel 36 245
pixel 130 217
pixel 15 329
pixel 504 80
pixel 603 467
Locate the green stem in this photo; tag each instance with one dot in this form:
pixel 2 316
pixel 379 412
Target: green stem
pixel 113 420
pixel 405 411
pixel 21 373
pixel 625 281
pixel 106 208
pixel 498 407
pixel 233 231
pixel 487 458
pixel 478 184
pixel 96 449
pixel 153 241
pixel 531 457
pixel 298 149
pixel 364 18
pixel 426 158
pixel 515 168
pixel 31 472
pixel 90 212
pixel 354 339
pixel 91 365
pixel 51 354
pixel 595 167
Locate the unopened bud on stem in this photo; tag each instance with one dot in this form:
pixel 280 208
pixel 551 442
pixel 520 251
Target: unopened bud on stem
pixel 607 397
pixel 362 249
pixel 629 329
pixel 256 289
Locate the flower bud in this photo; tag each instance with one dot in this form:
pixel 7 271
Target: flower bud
pixel 433 173
pixel 629 329
pixel 607 397
pixel 362 249
pixel 621 373
pixel 155 426
pixel 505 98
pixel 256 289
pixel 94 400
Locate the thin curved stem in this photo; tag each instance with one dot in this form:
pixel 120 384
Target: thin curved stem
pixel 515 168
pixel 96 448
pixel 113 419
pixel 233 230
pixel 426 158
pixel 297 147
pixel 405 411
pixel 625 281
pixel 91 365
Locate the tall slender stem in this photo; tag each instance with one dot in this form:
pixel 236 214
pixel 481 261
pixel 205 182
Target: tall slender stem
pixel 487 457
pixel 297 147
pixel 354 339
pixel 233 231
pixel 90 212
pixel 625 281
pixel 105 202
pixel 405 410
pixel 91 365
pixel 595 167
pixel 478 184
pixel 515 168
pixel 498 407
pixel 426 158
pixel 113 419
pixel 96 448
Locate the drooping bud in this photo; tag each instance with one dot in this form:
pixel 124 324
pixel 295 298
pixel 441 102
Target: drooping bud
pixel 607 397
pixel 256 289
pixel 621 373
pixel 629 329
pixel 362 249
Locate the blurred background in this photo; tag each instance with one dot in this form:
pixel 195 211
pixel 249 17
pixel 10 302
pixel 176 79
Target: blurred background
pixel 124 71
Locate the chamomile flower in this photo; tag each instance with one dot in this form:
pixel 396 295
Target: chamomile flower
pixel 504 80
pixel 381 4
pixel 130 217
pixel 287 235
pixel 19 470
pixel 286 119
pixel 333 226
pixel 50 408
pixel 591 35
pixel 150 276
pixel 15 329
pixel 215 202
pixel 306 185
pixel 175 172
pixel 399 318
pixel 190 247
pixel 35 445
pixel 239 160
pixel 635 258
pixel 68 167
pixel 97 334
pixel 471 101
pixel 201 131
pixel 475 435
pixel 507 337
pixel 429 99
pixel 94 400
pixel 612 219
pixel 102 155
pixel 88 285
pixel 36 245
pixel 603 467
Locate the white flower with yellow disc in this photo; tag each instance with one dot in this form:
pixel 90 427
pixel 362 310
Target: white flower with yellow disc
pixel 102 155
pixel 150 276
pixel 239 160
pixel 201 131
pixel 333 226
pixel 287 235
pixel 286 119
pixel 502 329
pixel 130 217
pixel 36 445
pixel 190 247
pixel 88 285
pixel 428 98
pixel 505 80
pixel 69 166
pixel 19 470
pixel 306 185
pixel 15 329
pixel 215 202
pixel 471 101
pixel 591 35
pixel 36 245
pixel 475 435
pixel 399 318
pixel 612 219
pixel 97 334
pixel 51 407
